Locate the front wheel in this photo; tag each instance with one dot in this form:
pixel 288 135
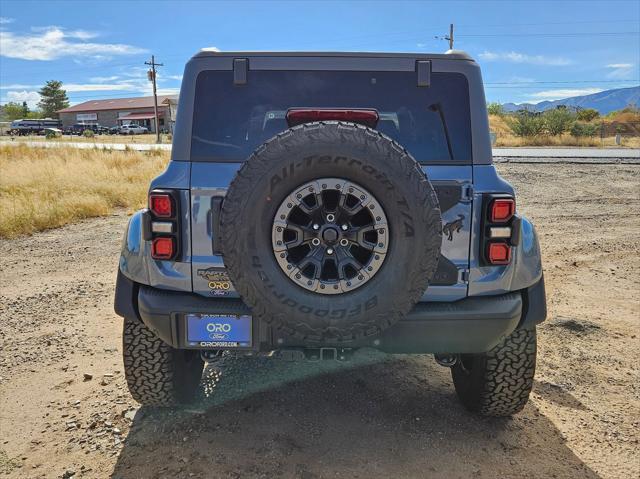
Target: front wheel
pixel 498 382
pixel 156 373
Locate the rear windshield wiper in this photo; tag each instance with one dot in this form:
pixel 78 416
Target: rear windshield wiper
pixel 437 107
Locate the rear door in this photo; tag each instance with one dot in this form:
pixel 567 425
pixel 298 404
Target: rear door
pixel 430 119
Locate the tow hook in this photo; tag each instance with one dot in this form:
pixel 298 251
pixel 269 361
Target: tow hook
pixel 211 355
pixel 316 354
pixel 447 360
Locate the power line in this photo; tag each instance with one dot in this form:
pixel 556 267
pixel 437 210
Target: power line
pixel 547 34
pixel 561 82
pixel 497 84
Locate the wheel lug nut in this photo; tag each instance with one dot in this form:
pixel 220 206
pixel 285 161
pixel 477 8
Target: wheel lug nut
pixel 344 242
pixel 344 227
pixel 329 250
pixel 315 242
pixel 316 226
pixel 330 218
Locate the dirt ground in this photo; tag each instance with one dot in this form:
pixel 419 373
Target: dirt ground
pixel 65 410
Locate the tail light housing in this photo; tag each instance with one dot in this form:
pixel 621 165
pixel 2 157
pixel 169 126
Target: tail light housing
pixel 163 248
pixel 499 252
pixel 163 224
pixel 501 210
pixel 500 229
pixel 161 205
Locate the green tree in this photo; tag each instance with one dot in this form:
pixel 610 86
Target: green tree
pixel 526 123
pixel 579 129
pixel 558 120
pixel 25 109
pixel 495 109
pixel 52 98
pixel 12 111
pixel 587 114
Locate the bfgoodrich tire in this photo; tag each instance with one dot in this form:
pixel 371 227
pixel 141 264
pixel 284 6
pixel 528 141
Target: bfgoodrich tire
pixel 157 374
pixel 344 154
pixel 498 383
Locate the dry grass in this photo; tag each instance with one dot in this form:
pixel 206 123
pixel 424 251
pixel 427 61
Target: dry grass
pixel 42 188
pixel 505 138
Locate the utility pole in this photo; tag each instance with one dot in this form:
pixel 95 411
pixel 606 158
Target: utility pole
pixel 151 74
pixel 449 37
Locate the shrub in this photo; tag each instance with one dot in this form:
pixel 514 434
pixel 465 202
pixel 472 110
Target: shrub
pixel 558 120
pixel 88 133
pixel 587 114
pixel 495 109
pixel 579 129
pixel 526 123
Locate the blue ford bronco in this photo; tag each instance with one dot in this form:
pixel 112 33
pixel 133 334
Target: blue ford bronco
pixel 318 203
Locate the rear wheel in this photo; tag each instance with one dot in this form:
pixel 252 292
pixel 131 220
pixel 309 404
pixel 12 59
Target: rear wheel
pixel 498 382
pixel 156 373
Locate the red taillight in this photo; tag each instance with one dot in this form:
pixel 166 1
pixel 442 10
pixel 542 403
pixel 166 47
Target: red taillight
pixel 501 210
pixel 161 205
pixel 297 116
pixel 499 253
pixel 162 248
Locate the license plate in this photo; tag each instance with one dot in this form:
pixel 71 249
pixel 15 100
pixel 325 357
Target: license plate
pixel 219 330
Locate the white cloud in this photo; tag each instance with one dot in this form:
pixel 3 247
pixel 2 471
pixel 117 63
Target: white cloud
pixel 166 91
pixel 16 86
pixel 6 20
pixel 75 87
pixel 51 43
pixel 620 71
pixel 174 77
pixel 517 57
pixel 551 95
pixel 31 97
pixel 104 79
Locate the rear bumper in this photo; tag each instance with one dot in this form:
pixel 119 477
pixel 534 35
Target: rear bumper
pixel 471 325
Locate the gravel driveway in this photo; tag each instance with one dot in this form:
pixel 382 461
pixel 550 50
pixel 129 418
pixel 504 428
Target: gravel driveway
pixel 66 411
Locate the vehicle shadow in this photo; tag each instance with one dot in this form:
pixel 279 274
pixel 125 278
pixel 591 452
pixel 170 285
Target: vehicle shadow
pixel 377 416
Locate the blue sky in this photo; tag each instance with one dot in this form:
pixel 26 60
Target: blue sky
pixel 529 50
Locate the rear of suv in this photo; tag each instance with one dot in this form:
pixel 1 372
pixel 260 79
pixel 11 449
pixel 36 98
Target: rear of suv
pixel 318 203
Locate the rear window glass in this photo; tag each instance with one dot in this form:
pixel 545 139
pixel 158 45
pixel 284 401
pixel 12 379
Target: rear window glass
pixel 230 121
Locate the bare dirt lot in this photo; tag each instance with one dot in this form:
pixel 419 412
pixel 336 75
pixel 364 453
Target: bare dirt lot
pixel 65 410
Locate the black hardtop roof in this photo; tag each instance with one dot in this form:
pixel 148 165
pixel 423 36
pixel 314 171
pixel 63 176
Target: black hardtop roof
pixel 450 55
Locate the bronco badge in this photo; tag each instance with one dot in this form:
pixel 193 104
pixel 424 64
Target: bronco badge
pixel 218 280
pixel 453 227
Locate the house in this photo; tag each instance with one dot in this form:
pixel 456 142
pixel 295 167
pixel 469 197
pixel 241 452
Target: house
pixel 122 111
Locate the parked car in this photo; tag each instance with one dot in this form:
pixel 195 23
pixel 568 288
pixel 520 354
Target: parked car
pixel 52 132
pixel 333 202
pixel 132 129
pixel 79 129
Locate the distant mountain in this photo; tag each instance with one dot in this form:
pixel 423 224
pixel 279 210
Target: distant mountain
pixel 605 101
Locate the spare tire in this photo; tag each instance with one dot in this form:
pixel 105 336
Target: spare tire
pixel 330 231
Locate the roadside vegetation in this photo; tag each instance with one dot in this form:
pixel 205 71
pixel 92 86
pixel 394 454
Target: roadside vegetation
pixel 42 188
pixel 97 139
pixel 564 127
